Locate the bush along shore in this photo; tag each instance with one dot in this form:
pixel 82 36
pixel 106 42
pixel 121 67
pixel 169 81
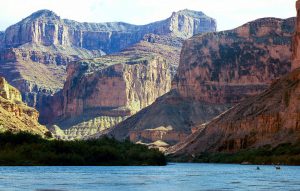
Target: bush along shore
pixel 25 149
pixel 285 154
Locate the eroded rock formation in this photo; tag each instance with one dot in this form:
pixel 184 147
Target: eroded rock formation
pixel 227 67
pixel 46 28
pixel 14 114
pixel 46 42
pixel 102 92
pixel 271 118
pixel 216 71
pixel 268 119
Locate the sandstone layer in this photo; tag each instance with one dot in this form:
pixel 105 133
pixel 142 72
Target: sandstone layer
pixel 14 114
pixel 216 71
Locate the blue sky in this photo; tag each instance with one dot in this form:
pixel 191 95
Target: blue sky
pixel 229 13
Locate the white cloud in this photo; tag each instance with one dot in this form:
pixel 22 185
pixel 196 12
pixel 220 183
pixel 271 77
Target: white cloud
pixel 229 13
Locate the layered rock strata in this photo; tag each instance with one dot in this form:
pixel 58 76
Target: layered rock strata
pixel 296 40
pixel 229 66
pixel 14 114
pixel 46 42
pixel 216 71
pixel 46 28
pixel 268 119
pixel 102 92
pixel 271 118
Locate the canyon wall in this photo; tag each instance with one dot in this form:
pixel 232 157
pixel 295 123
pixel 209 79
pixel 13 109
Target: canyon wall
pixel 229 66
pixel 14 114
pixel 46 28
pixel 102 92
pixel 296 40
pixel 268 119
pixel 216 71
pixel 35 51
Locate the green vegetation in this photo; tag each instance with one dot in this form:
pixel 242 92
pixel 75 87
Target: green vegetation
pixel 26 149
pixel 282 154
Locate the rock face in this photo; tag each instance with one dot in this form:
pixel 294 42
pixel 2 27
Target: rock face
pixel 46 28
pixel 38 71
pixel 46 42
pixel 102 92
pixel 216 71
pixel 229 66
pixel 270 118
pixel 296 40
pixel 14 114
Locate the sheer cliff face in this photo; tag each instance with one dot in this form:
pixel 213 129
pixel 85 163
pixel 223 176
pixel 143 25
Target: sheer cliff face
pixel 227 67
pixel 102 92
pixel 46 28
pixel 129 84
pixel 216 71
pixel 14 114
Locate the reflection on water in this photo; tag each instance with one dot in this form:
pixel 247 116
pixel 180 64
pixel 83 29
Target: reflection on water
pixel 177 176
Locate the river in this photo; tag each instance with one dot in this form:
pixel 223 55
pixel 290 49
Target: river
pixel 173 177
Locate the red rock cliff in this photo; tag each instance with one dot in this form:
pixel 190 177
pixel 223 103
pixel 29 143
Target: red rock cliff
pixel 296 40
pixel 229 66
pixel 270 118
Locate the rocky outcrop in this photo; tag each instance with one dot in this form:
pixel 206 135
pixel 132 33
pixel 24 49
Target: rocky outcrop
pixel 102 92
pixel 271 118
pixel 216 71
pixel 14 114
